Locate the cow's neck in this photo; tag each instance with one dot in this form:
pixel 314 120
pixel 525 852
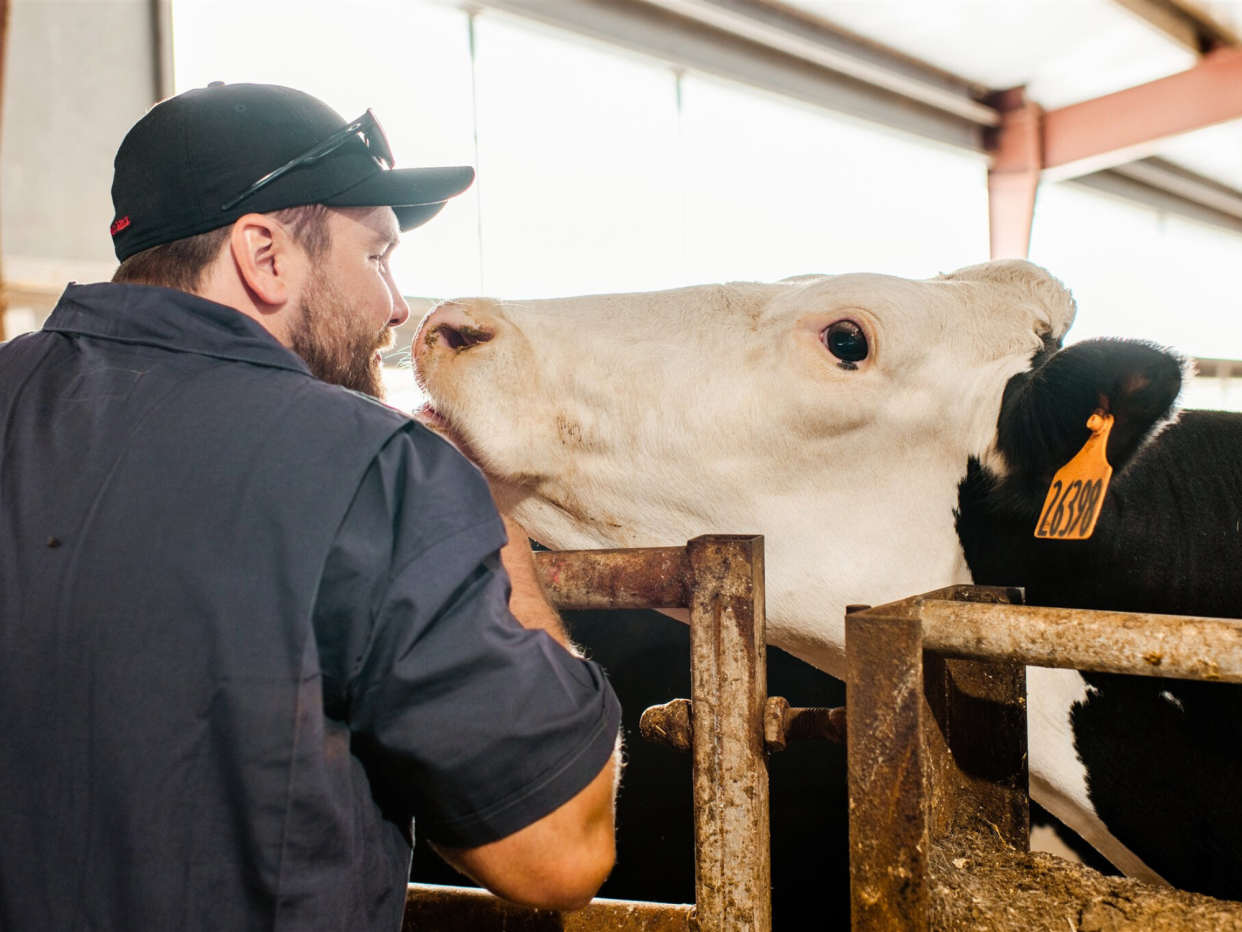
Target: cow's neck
pixel 893 541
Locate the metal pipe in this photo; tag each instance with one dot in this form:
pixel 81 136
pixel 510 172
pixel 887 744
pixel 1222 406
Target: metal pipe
pixel 429 907
pixel 745 25
pixel 1121 126
pixel 889 774
pixel 653 577
pixel 671 724
pixel 1172 646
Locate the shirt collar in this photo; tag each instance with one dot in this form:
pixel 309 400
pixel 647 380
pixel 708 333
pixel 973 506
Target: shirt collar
pixel 169 319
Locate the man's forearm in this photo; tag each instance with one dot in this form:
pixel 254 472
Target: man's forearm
pixel 528 602
pixel 558 862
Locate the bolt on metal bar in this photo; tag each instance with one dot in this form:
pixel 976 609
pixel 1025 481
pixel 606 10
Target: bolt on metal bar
pixel 783 723
pixel 1173 646
pixel 670 724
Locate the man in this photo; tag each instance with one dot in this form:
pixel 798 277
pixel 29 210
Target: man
pixel 251 624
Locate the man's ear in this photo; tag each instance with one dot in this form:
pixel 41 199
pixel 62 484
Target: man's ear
pixel 1043 418
pixel 260 248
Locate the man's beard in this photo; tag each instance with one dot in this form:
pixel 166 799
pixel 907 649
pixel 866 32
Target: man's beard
pixel 335 342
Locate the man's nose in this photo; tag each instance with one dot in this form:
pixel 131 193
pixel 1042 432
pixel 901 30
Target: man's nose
pixel 451 328
pixel 400 310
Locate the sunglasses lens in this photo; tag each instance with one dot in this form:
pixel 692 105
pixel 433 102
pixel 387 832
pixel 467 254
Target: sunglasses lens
pixel 377 142
pixel 365 129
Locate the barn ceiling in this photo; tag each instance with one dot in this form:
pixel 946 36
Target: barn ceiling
pixel 1063 53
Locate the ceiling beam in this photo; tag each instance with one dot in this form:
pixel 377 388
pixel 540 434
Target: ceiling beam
pixel 1151 183
pixel 1184 23
pixel 655 30
pixel 766 46
pixel 810 41
pixel 1014 175
pixel 1118 128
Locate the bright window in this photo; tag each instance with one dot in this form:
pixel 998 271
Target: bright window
pixel 1139 273
pixel 598 170
pixel 775 189
pixel 410 62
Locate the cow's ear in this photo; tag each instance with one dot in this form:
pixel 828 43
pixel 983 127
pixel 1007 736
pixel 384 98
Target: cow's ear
pixel 1013 283
pixel 1043 419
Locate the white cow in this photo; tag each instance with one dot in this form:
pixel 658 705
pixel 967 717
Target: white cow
pixel 836 415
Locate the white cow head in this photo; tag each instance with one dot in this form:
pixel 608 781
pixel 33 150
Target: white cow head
pixel 833 414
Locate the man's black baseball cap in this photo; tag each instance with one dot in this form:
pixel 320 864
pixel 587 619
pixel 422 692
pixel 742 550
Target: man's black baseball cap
pixel 194 153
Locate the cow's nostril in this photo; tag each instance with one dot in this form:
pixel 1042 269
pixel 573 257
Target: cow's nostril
pixel 461 336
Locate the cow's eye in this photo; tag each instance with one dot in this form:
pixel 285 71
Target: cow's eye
pixel 845 340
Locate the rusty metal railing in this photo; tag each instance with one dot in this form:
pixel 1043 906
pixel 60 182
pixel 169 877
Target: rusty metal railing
pixel 936 688
pixel 720 579
pixel 936 752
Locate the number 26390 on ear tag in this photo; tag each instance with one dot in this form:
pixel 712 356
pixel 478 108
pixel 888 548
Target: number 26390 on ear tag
pixel 1073 503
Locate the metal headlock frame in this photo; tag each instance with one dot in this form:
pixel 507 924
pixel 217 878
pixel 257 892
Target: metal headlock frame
pixel 720 580
pixel 936 720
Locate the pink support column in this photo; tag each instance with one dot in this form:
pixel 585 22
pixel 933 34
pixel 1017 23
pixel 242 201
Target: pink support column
pixel 1013 179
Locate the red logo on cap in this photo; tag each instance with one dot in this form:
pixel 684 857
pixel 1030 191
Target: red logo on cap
pixel 119 225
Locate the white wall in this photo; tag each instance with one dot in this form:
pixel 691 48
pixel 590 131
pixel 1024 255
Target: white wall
pixel 78 75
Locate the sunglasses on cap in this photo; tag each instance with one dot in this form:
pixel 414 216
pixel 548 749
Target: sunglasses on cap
pixel 365 129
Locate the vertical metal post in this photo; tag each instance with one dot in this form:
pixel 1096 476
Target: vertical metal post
pixel 975 734
pixel 975 739
pixel 162 74
pixel 1013 179
pixel 4 47
pixel 887 762
pixel 733 883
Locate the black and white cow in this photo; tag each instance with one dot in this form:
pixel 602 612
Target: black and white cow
pixel 1158 762
pixel 889 437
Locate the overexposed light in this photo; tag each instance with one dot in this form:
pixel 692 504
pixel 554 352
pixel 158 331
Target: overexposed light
pixel 402 393
pixel 775 189
pixel 408 61
pixel 1138 273
pixel 1062 51
pixel 578 165
pixel 592 178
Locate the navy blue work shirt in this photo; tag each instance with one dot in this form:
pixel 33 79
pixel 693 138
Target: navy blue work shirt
pixel 251 625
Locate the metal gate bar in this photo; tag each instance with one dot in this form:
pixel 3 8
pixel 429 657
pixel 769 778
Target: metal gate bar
pixel 720 580
pixel 468 909
pixel 937 735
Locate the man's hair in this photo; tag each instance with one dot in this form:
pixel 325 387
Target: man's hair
pixel 182 263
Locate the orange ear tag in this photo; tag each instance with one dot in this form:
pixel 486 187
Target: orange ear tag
pixel 1073 502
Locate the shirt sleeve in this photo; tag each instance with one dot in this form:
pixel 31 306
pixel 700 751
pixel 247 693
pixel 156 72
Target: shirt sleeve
pixel 477 724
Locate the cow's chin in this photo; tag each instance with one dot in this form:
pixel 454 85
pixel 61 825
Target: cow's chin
pixel 431 418
pixel 512 492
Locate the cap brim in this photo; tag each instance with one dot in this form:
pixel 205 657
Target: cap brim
pixel 405 187
pixel 410 217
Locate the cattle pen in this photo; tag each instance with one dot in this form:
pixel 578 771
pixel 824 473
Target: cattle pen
pixel 935 728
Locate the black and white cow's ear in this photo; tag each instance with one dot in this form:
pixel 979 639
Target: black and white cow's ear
pixel 1043 418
